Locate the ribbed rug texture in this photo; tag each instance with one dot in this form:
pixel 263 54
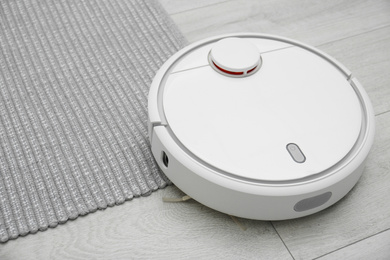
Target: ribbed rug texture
pixel 74 82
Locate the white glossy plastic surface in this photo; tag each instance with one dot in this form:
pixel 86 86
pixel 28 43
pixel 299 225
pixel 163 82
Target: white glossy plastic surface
pixel 242 125
pixel 231 142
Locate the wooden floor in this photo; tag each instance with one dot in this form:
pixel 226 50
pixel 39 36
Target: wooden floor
pixel 357 33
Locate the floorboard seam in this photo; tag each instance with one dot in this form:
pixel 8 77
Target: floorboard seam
pixel 357 241
pixel 282 240
pixel 354 35
pixel 204 6
pixel 381 113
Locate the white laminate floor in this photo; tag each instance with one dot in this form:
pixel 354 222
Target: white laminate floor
pixel 357 33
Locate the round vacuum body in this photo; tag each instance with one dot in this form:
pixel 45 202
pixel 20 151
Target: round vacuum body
pixel 259 126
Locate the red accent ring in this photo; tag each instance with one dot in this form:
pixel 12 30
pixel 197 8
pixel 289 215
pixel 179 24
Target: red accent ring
pixel 228 72
pixel 249 71
pixel 233 72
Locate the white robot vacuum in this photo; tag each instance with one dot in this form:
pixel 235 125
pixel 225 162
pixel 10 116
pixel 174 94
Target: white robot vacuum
pixel 259 126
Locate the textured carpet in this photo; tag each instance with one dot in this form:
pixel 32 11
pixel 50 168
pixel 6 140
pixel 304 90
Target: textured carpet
pixel 74 81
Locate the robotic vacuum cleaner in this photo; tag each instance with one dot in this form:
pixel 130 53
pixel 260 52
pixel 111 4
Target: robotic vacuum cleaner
pixel 259 126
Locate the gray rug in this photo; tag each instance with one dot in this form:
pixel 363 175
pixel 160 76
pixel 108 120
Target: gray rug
pixel 74 80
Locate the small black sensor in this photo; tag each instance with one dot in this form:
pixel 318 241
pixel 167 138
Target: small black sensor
pixel 165 159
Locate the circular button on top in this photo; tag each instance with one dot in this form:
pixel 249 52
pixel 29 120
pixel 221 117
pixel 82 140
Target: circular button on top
pixel 235 57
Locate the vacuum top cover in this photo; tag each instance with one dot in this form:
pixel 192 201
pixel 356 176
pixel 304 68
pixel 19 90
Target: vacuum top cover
pixel 260 109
